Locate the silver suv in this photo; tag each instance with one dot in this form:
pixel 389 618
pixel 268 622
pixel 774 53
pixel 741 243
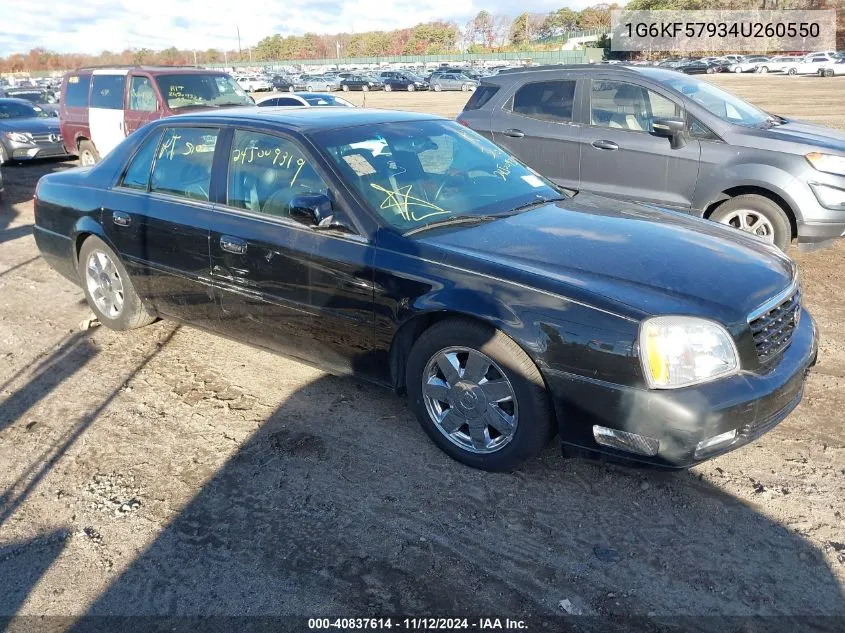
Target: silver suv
pixel 662 137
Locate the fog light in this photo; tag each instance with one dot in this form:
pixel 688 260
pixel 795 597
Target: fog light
pixel 829 197
pixel 717 441
pixel 624 441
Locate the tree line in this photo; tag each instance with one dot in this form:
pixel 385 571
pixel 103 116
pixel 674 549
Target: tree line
pixel 486 32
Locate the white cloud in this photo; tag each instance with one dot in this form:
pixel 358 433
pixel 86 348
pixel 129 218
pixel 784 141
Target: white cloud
pixel 90 26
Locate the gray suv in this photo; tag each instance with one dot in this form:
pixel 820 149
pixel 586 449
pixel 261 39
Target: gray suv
pixel 662 137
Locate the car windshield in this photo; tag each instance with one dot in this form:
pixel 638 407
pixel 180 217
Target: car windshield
pixel 716 101
pixel 327 100
pixel 186 90
pixel 16 110
pixel 418 172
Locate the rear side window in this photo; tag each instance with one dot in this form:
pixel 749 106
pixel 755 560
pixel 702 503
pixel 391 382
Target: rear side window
pixel 287 101
pixel 183 162
pixel 546 100
pixel 76 94
pixel 138 173
pixel 481 96
pixel 107 91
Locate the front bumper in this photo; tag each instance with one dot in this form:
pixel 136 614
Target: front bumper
pixel 35 149
pixel 679 420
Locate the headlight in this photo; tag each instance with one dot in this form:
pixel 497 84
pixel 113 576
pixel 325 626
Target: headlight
pixel 677 351
pixel 827 163
pixel 19 137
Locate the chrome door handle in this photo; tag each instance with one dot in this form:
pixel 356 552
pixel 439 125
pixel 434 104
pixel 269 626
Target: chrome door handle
pixel 608 145
pixel 514 133
pixel 121 219
pixel 233 244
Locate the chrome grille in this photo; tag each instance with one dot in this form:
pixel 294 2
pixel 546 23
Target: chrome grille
pixel 45 138
pixel 774 324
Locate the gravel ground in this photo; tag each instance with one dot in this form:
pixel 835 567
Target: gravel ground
pixel 170 471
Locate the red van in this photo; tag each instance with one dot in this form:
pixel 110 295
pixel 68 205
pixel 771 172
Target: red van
pixel 102 106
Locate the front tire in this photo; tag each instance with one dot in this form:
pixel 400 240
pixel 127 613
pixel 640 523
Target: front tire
pixel 411 87
pixel 345 88
pixel 365 88
pixel 108 288
pixel 828 72
pixel 478 395
pixel 437 88
pixel 758 215
pixel 388 88
pixel 88 154
pixel 792 71
pixel 763 69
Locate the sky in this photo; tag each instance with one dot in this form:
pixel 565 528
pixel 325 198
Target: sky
pixel 89 26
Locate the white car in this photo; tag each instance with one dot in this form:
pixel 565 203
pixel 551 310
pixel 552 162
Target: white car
pixel 747 65
pixel 777 64
pixel 305 100
pixel 253 83
pixel 810 64
pixel 834 69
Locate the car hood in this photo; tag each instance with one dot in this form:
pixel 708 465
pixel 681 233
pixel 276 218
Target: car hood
pixel 805 134
pixel 30 125
pixel 621 255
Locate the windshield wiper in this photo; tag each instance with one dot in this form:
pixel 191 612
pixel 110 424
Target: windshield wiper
pixel 530 205
pixel 458 219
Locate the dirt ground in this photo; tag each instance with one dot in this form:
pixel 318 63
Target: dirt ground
pixel 167 471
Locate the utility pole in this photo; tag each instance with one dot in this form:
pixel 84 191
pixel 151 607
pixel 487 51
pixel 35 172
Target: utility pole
pixel 240 50
pixel 195 58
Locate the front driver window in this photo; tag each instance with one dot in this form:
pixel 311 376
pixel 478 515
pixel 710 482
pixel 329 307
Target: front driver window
pixel 142 96
pixel 616 104
pixel 267 172
pixel 183 162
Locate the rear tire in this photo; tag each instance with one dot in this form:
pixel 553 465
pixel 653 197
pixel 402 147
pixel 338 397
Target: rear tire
pixel 113 276
pixel 772 219
pixel 792 71
pixel 411 87
pixel 520 395
pixel 763 69
pixel 88 154
pixel 365 88
pixel 388 88
pixel 345 88
pixel 437 88
pixel 828 72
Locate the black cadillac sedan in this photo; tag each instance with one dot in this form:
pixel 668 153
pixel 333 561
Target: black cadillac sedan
pixel 411 251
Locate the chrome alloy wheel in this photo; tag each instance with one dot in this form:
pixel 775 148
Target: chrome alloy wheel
pixel 470 400
pixel 104 284
pixel 751 222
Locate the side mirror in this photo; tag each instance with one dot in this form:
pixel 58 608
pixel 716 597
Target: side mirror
pixel 675 129
pixel 315 210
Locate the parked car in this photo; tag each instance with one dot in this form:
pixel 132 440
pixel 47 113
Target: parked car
pixel 412 252
pixel 810 64
pixel 99 107
pixel 749 64
pixel 699 67
pixel 834 69
pixel 776 64
pixel 306 100
pixel 395 80
pixel 452 81
pixel 280 83
pixel 254 83
pixel 27 132
pixel 328 83
pixel 361 82
pixel 662 137
pixel 44 99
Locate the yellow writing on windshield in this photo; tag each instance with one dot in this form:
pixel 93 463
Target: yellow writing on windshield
pixel 406 205
pixel 503 170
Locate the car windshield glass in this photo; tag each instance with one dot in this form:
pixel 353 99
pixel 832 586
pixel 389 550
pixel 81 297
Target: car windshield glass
pixel 716 101
pixel 201 90
pixel 414 173
pixel 15 110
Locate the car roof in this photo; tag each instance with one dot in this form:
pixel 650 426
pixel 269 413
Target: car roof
pixel 303 120
pixel 153 70
pixel 13 100
pixel 516 74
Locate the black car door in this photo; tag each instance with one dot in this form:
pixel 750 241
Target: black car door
pixel 537 124
pixel 158 219
pixel 304 291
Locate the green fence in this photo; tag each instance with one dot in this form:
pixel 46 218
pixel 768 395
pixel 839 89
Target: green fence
pixel 582 56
